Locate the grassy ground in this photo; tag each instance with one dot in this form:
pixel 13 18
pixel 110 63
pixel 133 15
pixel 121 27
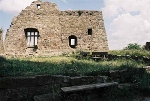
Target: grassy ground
pixel 64 65
pixel 61 65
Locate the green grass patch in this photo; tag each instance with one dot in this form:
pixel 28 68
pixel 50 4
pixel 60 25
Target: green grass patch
pixel 70 66
pixel 61 65
pixel 131 52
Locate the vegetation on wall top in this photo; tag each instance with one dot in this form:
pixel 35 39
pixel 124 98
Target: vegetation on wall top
pixel 133 46
pixel 133 49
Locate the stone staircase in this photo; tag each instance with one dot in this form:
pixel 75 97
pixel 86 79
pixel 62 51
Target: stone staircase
pixel 77 85
pixel 64 88
pixel 72 93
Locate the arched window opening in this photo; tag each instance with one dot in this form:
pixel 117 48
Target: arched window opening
pixel 72 41
pixel 32 35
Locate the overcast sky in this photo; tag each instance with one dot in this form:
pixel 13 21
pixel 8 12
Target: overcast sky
pixel 126 21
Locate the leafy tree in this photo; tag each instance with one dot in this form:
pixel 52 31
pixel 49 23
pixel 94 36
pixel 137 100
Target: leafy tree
pixel 133 46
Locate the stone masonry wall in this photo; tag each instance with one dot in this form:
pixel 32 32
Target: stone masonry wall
pixel 77 23
pixel 1 44
pixel 54 28
pixel 25 88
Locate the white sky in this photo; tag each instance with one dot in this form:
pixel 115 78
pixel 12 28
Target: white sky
pixel 126 21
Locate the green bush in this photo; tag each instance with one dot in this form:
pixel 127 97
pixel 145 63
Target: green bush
pixel 133 46
pixel 131 52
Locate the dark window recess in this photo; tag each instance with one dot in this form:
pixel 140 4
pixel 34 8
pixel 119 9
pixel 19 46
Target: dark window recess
pixel 147 46
pixel 72 41
pixel 80 13
pixel 38 6
pixel 89 31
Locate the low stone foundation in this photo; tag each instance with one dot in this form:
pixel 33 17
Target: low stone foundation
pixel 29 88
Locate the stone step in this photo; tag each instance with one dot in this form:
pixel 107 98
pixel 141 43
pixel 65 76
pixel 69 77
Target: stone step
pixel 87 87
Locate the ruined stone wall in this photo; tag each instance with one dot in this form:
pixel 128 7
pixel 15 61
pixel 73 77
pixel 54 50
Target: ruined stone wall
pixel 54 28
pixel 77 23
pixel 27 88
pixel 46 20
pixel 1 44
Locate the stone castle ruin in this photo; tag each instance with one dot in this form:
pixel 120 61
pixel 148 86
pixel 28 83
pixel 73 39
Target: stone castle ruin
pixel 1 42
pixel 41 29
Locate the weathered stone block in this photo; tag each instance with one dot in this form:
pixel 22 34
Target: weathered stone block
pixel 47 97
pixel 75 81
pixel 17 82
pixel 88 79
pixel 44 80
pixel 101 79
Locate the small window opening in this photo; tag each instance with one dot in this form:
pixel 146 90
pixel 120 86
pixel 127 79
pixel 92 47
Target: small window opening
pixel 80 13
pixel 72 41
pixel 38 6
pixel 89 31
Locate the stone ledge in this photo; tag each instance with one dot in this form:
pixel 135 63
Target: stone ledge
pixel 40 80
pixel 15 82
pixel 87 87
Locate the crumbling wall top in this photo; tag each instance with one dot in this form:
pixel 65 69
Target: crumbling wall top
pixel 43 5
pixel 81 13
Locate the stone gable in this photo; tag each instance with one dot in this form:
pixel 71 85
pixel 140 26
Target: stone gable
pixel 42 29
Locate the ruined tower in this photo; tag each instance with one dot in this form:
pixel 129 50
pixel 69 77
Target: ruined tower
pixel 42 29
pixel 1 42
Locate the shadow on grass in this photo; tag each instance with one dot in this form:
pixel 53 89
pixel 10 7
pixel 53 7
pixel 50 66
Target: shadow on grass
pixel 2 59
pixel 14 67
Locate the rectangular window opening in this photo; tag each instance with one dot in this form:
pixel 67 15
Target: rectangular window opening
pixel 35 38
pixel 32 38
pixel 89 31
pixel 38 6
pixel 28 38
pixel 72 41
pixel 32 35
